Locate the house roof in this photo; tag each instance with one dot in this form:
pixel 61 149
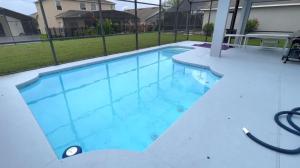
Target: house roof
pixel 10 13
pixel 144 13
pixel 72 14
pixel 34 15
pixel 107 2
pixel 112 14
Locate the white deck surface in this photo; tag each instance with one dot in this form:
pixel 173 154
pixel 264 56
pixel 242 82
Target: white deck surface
pixel 254 87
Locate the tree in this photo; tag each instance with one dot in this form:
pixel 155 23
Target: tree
pixel 171 3
pixel 107 26
pixel 208 29
pixel 252 25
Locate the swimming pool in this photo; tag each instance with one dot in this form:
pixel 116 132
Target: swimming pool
pixel 123 104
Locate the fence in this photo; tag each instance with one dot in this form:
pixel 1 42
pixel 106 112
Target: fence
pixel 96 33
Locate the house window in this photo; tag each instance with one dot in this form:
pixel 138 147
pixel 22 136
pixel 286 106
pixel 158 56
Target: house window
pixel 82 6
pixel 93 6
pixel 58 5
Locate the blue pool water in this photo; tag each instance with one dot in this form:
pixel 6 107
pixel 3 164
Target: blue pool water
pixel 121 104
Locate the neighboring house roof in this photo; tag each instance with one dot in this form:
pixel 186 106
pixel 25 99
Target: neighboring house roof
pixel 154 18
pixel 143 13
pixel 34 15
pixel 72 14
pixel 10 13
pixel 112 14
pixel 107 2
pixel 103 1
pixel 154 15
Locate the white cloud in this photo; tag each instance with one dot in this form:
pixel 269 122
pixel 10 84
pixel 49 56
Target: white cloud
pixel 124 8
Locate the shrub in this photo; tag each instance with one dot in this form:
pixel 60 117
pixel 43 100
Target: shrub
pixel 252 25
pixel 43 36
pixel 90 31
pixel 170 3
pixel 107 26
pixel 208 29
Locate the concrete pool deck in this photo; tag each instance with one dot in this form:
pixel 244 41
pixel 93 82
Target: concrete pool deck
pixel 255 85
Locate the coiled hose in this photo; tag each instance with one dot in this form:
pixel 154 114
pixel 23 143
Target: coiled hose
pixel 294 129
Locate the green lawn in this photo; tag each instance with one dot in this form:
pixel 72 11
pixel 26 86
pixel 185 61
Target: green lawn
pixel 20 57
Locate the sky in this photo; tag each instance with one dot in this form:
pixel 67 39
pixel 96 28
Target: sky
pixel 28 7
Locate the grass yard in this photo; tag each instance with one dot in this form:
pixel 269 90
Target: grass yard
pixel 21 57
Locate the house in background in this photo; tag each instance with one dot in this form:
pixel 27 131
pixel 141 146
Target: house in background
pixel 272 16
pixel 55 9
pixel 81 23
pixel 16 24
pixel 169 16
pixel 143 14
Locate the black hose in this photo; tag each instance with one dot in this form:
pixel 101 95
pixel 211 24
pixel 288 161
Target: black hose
pixel 294 129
